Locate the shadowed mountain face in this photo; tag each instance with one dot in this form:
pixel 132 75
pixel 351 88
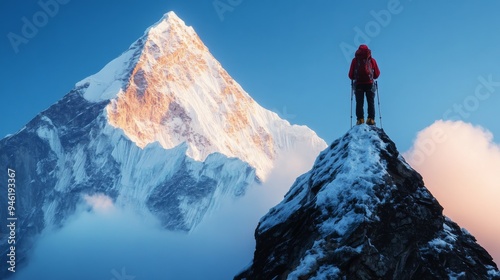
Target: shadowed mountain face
pixel 363 213
pixel 162 130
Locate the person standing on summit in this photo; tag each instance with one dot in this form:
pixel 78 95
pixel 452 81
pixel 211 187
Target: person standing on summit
pixel 364 70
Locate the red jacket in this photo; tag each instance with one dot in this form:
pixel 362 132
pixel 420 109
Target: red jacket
pixel 364 52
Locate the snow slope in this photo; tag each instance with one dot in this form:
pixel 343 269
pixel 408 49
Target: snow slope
pixel 362 212
pixel 163 131
pixel 168 88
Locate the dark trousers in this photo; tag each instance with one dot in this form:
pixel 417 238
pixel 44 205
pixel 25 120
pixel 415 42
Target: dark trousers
pixel 360 92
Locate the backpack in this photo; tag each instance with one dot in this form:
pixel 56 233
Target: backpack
pixel 363 72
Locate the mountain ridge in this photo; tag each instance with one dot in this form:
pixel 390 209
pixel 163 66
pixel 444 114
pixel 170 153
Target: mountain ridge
pixel 171 59
pixel 363 213
pixel 149 133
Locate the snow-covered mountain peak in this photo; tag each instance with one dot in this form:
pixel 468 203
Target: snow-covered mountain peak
pixel 168 88
pixel 173 28
pixel 162 131
pixel 166 34
pixel 363 213
pixel 355 160
pixel 168 19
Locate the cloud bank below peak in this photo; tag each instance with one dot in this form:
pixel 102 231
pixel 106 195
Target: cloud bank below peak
pixel 460 164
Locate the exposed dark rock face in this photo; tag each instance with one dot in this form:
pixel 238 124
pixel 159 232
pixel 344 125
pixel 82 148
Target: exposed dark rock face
pixel 363 213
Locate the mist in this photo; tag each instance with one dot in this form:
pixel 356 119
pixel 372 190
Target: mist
pixel 460 164
pixel 113 243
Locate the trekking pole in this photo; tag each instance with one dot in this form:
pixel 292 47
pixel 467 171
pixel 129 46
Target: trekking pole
pixel 378 101
pixel 352 93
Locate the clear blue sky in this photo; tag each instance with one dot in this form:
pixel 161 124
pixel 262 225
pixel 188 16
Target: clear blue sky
pixel 286 54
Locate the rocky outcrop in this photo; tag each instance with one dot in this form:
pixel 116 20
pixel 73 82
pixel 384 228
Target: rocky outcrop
pixel 363 213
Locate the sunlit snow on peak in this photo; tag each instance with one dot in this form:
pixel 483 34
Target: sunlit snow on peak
pixel 168 88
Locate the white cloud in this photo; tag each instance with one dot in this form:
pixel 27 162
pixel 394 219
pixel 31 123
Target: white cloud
pixel 460 164
pixel 99 202
pixel 110 241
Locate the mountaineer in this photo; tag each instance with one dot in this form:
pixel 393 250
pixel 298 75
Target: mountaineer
pixel 364 70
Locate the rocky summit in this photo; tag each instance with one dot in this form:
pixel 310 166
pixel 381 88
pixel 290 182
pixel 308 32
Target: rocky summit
pixel 362 212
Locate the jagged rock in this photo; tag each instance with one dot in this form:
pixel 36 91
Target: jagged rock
pixel 363 213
